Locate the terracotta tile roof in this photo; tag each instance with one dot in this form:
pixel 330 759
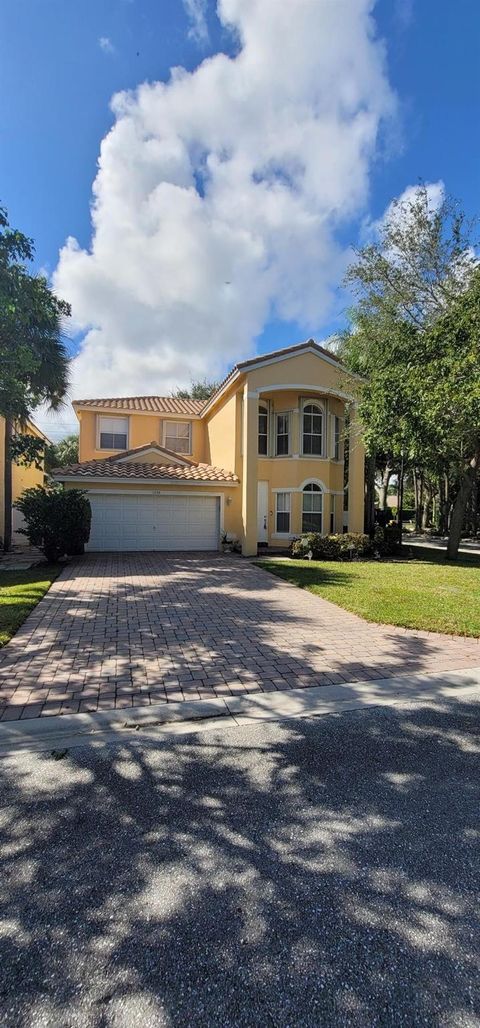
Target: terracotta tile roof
pixel 110 468
pixel 285 352
pixel 174 405
pixel 145 404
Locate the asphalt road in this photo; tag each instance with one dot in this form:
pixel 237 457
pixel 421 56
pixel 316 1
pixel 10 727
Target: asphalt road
pixel 314 872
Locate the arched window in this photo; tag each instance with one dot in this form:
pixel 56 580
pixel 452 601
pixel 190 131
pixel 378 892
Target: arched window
pixel 263 430
pixel 313 429
pixel 312 508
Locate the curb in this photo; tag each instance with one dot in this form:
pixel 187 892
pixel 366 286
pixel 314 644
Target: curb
pixel 185 717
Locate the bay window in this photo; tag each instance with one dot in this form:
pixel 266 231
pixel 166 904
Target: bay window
pixel 262 430
pixel 282 435
pixel 336 438
pixel 312 429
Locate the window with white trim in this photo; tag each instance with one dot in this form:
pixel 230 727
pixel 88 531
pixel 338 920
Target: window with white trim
pixel 312 507
pixel 282 435
pixel 312 429
pixel 282 523
pixel 332 514
pixel 263 430
pixel 113 433
pixel 177 436
pixel 336 437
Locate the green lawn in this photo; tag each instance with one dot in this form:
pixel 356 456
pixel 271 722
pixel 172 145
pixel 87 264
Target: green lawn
pixel 20 592
pixel 427 592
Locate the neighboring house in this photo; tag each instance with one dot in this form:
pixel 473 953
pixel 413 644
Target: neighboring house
pixel 22 478
pixel 262 459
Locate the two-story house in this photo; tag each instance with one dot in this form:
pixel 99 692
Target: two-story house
pixel 262 459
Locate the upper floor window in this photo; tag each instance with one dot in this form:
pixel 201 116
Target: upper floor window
pixel 282 447
pixel 312 432
pixel 177 436
pixel 262 430
pixel 336 438
pixel 312 507
pixel 113 433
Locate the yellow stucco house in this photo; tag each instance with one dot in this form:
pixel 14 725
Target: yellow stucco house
pixel 262 459
pixel 22 478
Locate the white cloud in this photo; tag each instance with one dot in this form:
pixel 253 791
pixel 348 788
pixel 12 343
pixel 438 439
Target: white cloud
pixel 105 44
pixel 196 12
pixel 399 208
pixel 219 193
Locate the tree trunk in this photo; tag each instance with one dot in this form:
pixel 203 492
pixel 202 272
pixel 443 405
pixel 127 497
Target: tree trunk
pixel 370 495
pixel 7 532
pixel 458 512
pixel 427 499
pixel 383 487
pixel 442 505
pixel 417 490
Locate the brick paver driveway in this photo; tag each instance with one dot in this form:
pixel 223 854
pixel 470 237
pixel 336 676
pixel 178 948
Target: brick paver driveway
pixel 120 630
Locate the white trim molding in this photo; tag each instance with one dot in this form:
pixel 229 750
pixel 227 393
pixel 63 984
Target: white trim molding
pixel 303 387
pixel 87 479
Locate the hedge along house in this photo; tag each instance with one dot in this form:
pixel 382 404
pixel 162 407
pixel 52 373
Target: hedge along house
pixel 262 459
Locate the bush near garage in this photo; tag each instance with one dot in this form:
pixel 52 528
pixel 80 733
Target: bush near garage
pixel 348 546
pixel 57 520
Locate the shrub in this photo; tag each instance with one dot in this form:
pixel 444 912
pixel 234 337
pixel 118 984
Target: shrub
pixel 386 540
pixel 57 520
pixel 333 547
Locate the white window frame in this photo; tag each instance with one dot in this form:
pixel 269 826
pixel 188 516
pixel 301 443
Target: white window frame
pixel 283 505
pixel 333 512
pixel 263 412
pixel 167 424
pixel 313 402
pixel 306 491
pixel 288 433
pixel 337 435
pixel 123 419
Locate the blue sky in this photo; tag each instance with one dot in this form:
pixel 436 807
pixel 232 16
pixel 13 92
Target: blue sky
pixel 57 80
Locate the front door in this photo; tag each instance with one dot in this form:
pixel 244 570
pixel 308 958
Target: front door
pixel 262 512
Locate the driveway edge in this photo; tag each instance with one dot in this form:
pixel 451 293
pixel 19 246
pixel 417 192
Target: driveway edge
pixel 185 717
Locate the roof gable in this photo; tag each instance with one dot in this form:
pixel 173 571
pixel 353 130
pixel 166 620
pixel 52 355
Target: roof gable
pixel 150 453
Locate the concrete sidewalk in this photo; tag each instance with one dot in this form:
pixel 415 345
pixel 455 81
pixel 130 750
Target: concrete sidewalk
pixel 163 720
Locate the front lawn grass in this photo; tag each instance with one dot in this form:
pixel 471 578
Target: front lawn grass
pixel 426 592
pixel 20 592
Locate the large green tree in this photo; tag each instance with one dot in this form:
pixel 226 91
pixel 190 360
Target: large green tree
pixel 200 389
pixel 33 357
pixel 413 283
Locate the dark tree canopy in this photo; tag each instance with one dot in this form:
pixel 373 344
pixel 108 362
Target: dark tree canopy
pixel 33 357
pixel 415 338
pixel 201 389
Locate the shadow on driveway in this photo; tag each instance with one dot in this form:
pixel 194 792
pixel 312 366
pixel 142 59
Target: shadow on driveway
pixel 131 629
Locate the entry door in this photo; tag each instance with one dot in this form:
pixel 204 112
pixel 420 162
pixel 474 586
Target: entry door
pixel 262 512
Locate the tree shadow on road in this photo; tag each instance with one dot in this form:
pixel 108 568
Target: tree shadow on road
pixel 304 873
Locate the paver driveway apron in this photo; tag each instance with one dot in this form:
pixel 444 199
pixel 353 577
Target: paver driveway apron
pixel 123 630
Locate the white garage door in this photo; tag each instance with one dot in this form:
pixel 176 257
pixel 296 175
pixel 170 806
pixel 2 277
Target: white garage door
pixel 122 521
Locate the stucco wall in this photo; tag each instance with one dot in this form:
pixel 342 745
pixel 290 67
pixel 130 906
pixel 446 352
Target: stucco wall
pixel 142 429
